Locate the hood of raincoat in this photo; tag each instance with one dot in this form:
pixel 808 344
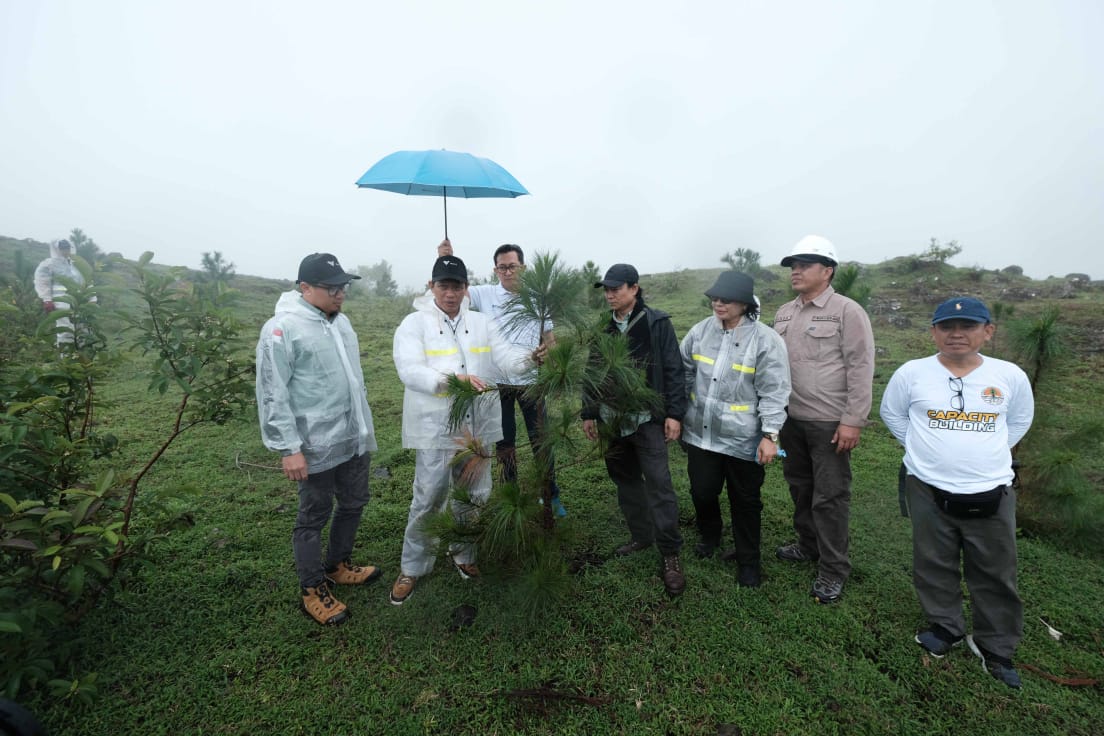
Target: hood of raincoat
pixel 311 396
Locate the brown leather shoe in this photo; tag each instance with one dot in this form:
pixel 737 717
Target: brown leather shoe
pixel 347 573
pixel 402 589
pixel 673 579
pixel 631 548
pixel 319 604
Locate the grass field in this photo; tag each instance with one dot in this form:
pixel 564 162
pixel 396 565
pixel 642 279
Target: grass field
pixel 204 637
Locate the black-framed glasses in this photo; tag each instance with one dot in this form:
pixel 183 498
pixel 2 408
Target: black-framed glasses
pixel 333 291
pixel 958 401
pixel 508 267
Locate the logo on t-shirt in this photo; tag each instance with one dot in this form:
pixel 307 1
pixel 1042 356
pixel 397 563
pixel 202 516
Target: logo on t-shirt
pixel 992 395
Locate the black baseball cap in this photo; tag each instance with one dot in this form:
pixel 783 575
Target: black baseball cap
pixel 323 269
pixel 618 274
pixel 450 268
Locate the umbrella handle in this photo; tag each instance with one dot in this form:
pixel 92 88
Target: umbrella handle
pixel 444 198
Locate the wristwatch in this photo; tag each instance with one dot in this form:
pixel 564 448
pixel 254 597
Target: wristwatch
pixel 772 436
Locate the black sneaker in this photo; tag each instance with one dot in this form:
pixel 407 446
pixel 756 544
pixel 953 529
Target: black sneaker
pixel 704 550
pixel 792 552
pixel 826 589
pixel 937 641
pixel 749 576
pixel 999 667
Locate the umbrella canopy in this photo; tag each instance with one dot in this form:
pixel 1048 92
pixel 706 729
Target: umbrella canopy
pixel 441 173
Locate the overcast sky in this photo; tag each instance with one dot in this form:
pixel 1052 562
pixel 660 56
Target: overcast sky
pixel 659 135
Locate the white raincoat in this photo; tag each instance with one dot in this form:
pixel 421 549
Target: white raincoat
pixel 47 284
pixel 427 350
pixel 739 383
pixel 310 386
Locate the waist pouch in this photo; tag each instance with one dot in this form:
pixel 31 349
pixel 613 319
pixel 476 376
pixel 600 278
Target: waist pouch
pixel 969 505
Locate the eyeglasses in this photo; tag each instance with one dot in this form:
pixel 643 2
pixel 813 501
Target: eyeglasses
pixel 958 401
pixel 508 267
pixel 333 291
pixel 721 301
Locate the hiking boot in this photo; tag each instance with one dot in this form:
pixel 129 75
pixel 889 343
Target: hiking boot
pixel 826 589
pixel 792 552
pixel 631 548
pixel 319 604
pixel 673 579
pixel 467 570
pixel 999 667
pixel 704 550
pixel 402 589
pixel 346 573
pixel 750 576
pixel 937 641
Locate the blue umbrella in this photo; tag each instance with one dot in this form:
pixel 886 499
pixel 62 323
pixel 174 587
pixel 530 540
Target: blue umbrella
pixel 444 173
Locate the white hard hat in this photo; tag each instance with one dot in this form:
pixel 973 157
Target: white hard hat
pixel 812 249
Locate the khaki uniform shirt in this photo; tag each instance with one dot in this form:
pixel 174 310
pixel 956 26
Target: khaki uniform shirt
pixel 831 349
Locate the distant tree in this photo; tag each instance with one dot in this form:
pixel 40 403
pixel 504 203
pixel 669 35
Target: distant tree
pixel 216 270
pixel 743 259
pixel 847 283
pixel 591 276
pixel 937 253
pixel 378 280
pixel 86 248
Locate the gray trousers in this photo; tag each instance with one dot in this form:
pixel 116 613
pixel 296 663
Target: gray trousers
pixel 820 486
pixel 986 549
pixel 348 484
pixel 637 465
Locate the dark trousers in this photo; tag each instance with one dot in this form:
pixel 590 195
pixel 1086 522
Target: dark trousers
pixel 637 465
pixel 820 486
pixel 532 412
pixel 348 484
pixel 709 471
pixel 986 549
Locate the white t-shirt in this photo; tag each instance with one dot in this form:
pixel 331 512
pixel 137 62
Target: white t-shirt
pixel 965 450
pixel 493 300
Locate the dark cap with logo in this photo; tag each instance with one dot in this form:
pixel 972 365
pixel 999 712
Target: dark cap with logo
pixel 323 269
pixel 962 307
pixel 450 268
pixel 618 274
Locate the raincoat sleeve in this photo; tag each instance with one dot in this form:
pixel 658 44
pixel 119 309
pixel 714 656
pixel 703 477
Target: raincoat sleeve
pixel 895 404
pixel 44 281
pixel 772 380
pixel 686 348
pixel 409 353
pixel 274 369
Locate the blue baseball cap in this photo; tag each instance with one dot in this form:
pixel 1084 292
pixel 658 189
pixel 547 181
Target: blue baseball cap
pixel 962 307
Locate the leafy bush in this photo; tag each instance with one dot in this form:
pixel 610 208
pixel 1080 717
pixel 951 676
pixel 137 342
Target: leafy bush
pixel 65 514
